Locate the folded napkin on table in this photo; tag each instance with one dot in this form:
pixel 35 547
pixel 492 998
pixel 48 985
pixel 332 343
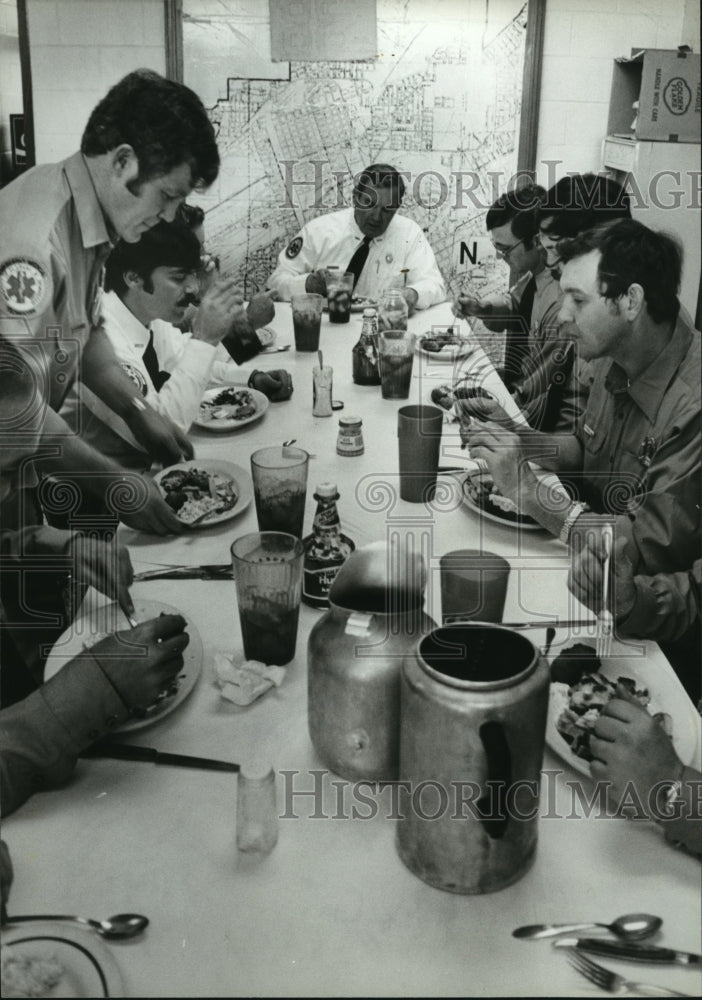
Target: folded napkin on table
pixel 244 683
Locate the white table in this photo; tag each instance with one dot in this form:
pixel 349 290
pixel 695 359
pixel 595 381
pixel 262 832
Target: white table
pixel 332 911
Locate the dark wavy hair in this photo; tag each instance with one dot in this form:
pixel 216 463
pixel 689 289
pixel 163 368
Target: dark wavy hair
pixel 580 201
pixel 167 244
pixel 164 122
pixel 633 254
pixel 521 209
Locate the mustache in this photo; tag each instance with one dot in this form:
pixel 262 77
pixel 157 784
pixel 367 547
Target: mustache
pixel 189 299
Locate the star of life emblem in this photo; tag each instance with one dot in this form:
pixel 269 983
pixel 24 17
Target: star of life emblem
pixel 23 286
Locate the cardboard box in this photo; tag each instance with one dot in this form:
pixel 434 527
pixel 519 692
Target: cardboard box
pixel 666 83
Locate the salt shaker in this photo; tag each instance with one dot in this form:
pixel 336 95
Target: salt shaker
pixel 256 809
pixel 322 391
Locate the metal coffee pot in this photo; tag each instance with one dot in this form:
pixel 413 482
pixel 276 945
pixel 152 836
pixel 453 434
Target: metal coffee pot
pixel 474 699
pixel 354 657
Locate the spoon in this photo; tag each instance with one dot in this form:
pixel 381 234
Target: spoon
pixel 632 926
pixel 122 925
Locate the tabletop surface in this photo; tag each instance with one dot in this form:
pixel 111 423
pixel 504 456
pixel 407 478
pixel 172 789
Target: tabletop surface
pixel 332 911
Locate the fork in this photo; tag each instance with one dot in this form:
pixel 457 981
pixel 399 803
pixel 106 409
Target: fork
pixel 604 618
pixel 610 982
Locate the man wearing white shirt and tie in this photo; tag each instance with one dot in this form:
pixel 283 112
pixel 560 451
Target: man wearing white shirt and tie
pixel 369 239
pixel 149 286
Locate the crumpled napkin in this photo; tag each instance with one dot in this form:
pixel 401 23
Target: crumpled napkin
pixel 245 683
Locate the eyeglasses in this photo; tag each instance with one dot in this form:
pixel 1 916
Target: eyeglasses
pixel 505 252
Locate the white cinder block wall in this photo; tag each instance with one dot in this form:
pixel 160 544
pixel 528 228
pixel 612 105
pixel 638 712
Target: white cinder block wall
pixel 79 48
pixel 581 39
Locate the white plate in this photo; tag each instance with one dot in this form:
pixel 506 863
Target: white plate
pixel 260 399
pixel 243 485
pixel 110 618
pixel 448 354
pixel 468 502
pixel 81 953
pixel 667 695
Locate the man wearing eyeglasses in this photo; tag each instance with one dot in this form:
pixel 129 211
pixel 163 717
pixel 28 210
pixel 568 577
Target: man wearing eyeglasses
pixel 513 225
pixel 528 312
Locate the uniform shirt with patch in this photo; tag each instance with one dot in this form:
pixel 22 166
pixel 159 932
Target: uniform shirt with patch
pixel 53 247
pixel 191 364
pixel 331 240
pixel 641 452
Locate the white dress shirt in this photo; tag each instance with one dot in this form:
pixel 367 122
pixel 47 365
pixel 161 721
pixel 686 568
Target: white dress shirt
pixel 334 238
pixel 192 364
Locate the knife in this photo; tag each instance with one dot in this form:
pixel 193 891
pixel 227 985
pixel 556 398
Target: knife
pixel 633 951
pixel 216 571
pixel 127 751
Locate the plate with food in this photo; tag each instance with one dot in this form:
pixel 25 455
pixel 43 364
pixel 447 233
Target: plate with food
pixel 100 620
pixel 479 494
pixel 582 684
pixel 51 958
pixel 444 344
pixel 229 407
pixel 203 492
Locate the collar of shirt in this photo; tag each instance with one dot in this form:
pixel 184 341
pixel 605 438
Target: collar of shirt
pixel 359 234
pixel 649 388
pixel 91 220
pixel 119 317
pixel 543 279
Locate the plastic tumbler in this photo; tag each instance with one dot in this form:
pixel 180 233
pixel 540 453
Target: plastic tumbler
pixel 473 584
pixel 419 440
pixel 396 353
pixel 280 488
pixel 307 318
pixel 267 569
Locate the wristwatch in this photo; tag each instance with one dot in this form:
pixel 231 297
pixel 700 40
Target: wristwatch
pixel 574 512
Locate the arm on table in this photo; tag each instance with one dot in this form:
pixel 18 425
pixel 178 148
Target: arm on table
pixel 43 734
pixel 291 274
pixel 62 452
pixel 424 276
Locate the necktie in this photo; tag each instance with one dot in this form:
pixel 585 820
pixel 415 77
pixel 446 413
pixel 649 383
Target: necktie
pixel 359 258
pixel 151 364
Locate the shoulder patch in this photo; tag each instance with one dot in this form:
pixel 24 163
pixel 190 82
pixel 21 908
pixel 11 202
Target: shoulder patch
pixel 25 287
pixel 136 377
pixel 293 248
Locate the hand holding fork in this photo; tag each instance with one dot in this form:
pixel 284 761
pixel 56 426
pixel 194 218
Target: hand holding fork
pixel 605 621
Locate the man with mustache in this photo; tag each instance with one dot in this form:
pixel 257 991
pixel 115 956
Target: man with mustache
pixel 149 286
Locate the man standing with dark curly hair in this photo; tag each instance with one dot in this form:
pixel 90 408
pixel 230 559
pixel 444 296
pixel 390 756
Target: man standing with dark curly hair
pixel 147 144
